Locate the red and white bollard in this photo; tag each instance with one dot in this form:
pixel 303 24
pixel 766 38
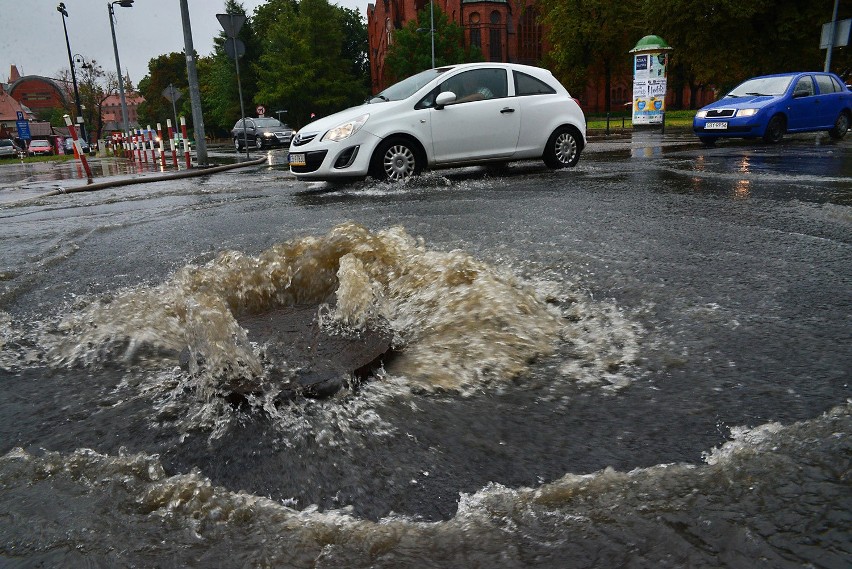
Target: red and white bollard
pixel 185 142
pixel 140 138
pixel 78 150
pixel 150 143
pixel 162 153
pixel 172 142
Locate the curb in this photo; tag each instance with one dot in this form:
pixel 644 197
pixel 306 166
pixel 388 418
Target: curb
pixel 198 171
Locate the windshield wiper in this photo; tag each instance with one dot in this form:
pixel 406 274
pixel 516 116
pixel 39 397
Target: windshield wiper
pixel 758 94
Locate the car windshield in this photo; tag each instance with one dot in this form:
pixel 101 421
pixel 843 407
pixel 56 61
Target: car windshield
pixel 407 87
pixel 39 143
pixel 266 123
pixel 769 86
pixel 5 142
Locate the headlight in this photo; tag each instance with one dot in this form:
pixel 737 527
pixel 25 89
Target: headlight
pixel 701 114
pixel 268 134
pixel 747 112
pixel 345 130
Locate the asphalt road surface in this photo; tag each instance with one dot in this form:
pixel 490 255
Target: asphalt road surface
pixel 643 360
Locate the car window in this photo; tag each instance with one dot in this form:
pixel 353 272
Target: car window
pixel 477 84
pixel 265 123
pixel 529 85
pixel 765 86
pixel 5 143
pixel 838 87
pixel 474 85
pixel 804 85
pixel 407 87
pixel 825 84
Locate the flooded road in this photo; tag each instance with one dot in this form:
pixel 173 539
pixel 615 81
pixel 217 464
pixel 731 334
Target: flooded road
pixel 641 361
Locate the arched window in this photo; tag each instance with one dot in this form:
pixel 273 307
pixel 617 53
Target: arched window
pixel 475 30
pixel 495 37
pixel 529 36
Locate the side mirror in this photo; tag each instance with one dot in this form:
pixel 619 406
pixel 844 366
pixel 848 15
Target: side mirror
pixel 444 99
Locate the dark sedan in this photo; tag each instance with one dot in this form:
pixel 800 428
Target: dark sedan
pixel 769 106
pixel 261 132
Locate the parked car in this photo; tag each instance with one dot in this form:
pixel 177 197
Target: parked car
pixel 9 148
pixel 769 106
pixel 261 132
pixel 39 148
pixel 449 116
pixel 69 146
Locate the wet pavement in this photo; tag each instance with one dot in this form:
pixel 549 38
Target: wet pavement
pixel 642 361
pixel 20 180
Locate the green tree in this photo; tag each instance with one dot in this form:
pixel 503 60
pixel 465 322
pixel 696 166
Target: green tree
pixel 217 76
pixel 305 64
pixel 162 71
pixel 723 42
pixel 411 50
pixel 591 39
pixel 355 44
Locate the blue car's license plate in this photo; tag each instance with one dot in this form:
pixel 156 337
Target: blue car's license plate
pixel 716 126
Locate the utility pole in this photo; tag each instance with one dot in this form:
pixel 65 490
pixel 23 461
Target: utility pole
pixel 127 4
pixel 831 37
pixel 61 9
pixel 194 91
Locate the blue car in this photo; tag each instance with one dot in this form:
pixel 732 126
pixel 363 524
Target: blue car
pixel 768 107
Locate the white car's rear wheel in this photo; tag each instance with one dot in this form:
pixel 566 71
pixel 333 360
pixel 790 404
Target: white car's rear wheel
pixel 562 149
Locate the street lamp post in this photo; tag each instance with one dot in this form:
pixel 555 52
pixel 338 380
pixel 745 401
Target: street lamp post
pixel 431 29
pixel 61 9
pixel 123 4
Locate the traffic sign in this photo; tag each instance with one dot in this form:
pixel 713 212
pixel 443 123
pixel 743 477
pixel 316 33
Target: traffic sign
pixel 235 48
pixel 261 110
pixel 23 130
pixel 231 23
pixel 172 93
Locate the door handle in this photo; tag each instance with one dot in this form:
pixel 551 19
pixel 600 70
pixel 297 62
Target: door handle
pixel 506 110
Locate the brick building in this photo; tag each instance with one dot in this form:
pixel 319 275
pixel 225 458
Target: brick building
pixel 111 111
pixel 506 31
pixel 39 93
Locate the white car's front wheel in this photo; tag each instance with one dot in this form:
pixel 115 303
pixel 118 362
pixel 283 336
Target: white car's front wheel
pixel 396 159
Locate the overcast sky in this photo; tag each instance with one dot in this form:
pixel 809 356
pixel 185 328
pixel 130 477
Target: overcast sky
pixel 31 34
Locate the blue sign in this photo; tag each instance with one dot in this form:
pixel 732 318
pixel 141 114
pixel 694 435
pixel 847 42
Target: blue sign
pixel 20 115
pixel 23 130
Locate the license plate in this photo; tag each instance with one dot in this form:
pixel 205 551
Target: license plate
pixel 716 126
pixel 296 159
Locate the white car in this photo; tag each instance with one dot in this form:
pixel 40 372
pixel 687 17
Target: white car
pixel 448 116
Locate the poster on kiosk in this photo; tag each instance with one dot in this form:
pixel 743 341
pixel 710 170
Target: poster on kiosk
pixel 650 65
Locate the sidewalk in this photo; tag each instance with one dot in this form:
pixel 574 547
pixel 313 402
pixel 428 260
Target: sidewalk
pixel 27 180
